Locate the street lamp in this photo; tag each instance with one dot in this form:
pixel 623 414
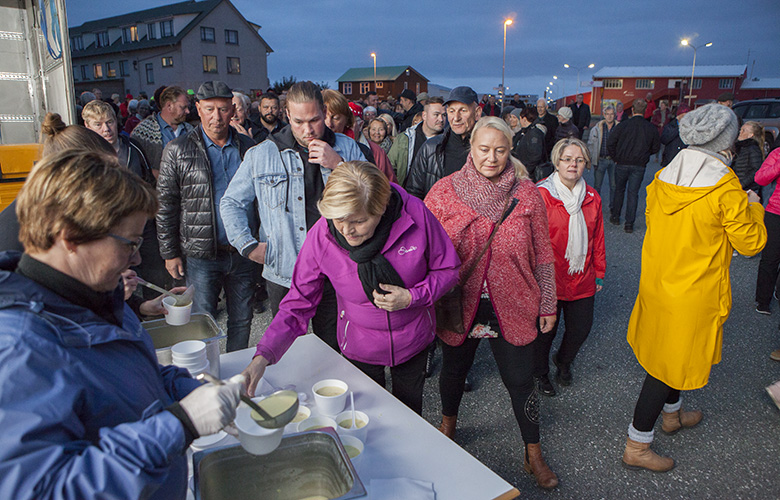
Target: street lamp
pixel 685 42
pixel 589 66
pixel 373 55
pixel 507 22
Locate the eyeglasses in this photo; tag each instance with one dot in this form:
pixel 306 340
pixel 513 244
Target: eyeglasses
pixel 134 245
pixel 568 159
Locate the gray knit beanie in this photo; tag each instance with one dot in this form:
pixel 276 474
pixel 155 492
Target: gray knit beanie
pixel 565 112
pixel 713 127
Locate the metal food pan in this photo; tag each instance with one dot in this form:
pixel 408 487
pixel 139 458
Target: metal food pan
pixel 306 464
pixel 201 327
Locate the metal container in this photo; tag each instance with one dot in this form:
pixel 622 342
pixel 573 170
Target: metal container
pixel 201 327
pixel 307 464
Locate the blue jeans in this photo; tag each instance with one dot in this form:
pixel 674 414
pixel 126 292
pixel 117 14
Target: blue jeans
pixel 631 176
pixel 605 166
pixel 233 273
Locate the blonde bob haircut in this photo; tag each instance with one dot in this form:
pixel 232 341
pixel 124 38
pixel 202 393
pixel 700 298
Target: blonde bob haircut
pixel 337 104
pixel 354 187
pixel 80 194
pixel 497 123
pixel 95 110
pixel 557 151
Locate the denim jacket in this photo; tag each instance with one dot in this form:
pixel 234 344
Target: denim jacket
pixel 271 178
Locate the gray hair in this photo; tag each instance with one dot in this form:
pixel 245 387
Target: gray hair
pixel 244 99
pixel 609 108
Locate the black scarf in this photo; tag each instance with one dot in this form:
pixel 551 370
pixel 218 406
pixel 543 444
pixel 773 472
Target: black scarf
pixel 373 267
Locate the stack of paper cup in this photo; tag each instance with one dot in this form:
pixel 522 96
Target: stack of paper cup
pixel 191 354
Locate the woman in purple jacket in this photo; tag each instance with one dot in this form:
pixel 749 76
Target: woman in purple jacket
pixel 389 260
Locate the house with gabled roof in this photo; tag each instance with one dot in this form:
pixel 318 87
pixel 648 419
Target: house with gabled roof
pixel 390 81
pixel 182 44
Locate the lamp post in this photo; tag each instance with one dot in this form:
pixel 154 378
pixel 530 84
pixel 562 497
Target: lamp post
pixel 373 56
pixel 507 22
pixel 589 66
pixel 685 42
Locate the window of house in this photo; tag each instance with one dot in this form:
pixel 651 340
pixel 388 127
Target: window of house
pixel 101 39
pixel 207 34
pixel 123 69
pixel 379 85
pixel 645 83
pixel 210 64
pixel 406 85
pixel 697 83
pixel 347 88
pixel 166 28
pixel 149 73
pixel 77 43
pixel 231 37
pixel 110 70
pixel 151 31
pixel 233 65
pixel 726 83
pixel 417 88
pixel 97 71
pixel 365 87
pixel 167 62
pixel 130 34
pixel 613 83
pixel 84 72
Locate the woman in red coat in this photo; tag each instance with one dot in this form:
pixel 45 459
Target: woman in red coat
pixel 512 286
pixel 577 237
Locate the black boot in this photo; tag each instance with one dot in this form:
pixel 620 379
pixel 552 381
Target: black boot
pixel 544 386
pixel 564 371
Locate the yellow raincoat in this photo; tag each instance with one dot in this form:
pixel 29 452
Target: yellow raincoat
pixel 684 297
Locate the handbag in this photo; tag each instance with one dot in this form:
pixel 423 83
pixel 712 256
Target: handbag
pixel 449 307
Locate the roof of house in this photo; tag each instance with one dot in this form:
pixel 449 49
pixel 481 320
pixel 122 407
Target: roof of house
pixel 761 83
pixel 383 73
pixel 200 9
pixel 669 71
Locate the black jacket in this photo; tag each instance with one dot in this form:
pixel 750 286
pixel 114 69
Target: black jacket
pixel 131 156
pixel 409 116
pixel 670 138
pixel 428 165
pixel 530 148
pixel 747 162
pixel 551 122
pixel 580 116
pixel 633 142
pixel 186 224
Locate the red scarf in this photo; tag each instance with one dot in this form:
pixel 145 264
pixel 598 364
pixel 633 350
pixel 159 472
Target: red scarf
pixel 484 197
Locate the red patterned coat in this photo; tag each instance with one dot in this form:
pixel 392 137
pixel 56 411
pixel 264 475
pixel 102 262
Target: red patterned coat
pixel 518 266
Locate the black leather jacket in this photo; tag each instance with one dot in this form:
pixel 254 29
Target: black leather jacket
pixel 747 162
pixel 428 165
pixel 186 224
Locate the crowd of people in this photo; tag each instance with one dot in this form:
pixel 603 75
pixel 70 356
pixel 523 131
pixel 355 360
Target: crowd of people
pixel 362 218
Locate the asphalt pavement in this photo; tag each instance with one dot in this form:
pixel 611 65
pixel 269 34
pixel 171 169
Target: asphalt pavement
pixel 733 453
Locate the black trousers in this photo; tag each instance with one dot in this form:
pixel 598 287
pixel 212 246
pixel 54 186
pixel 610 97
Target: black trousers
pixel 578 316
pixel 324 321
pixel 515 365
pixel 770 260
pixel 651 402
pixel 407 379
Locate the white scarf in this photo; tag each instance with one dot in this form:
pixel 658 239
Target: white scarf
pixel 577 246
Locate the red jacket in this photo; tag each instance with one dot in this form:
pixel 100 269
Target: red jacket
pixel 518 254
pixel 580 285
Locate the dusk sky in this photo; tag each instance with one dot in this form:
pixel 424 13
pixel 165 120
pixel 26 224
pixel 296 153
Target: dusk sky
pixel 460 43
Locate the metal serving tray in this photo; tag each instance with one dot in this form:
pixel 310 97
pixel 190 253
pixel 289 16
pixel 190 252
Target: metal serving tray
pixel 306 464
pixel 201 327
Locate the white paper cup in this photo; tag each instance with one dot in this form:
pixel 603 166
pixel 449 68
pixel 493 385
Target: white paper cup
pixel 253 438
pixel 352 444
pixel 330 396
pixel 345 419
pixel 303 413
pixel 318 422
pixel 188 351
pixel 177 315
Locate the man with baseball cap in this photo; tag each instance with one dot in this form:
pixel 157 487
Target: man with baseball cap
pixel 411 107
pixel 194 173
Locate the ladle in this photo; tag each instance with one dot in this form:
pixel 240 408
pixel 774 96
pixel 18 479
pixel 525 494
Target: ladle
pixel 268 422
pixel 156 288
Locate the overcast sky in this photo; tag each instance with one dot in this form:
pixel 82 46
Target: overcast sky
pixel 456 42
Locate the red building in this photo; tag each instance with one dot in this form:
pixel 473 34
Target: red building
pixel 759 88
pixel 390 81
pixel 626 83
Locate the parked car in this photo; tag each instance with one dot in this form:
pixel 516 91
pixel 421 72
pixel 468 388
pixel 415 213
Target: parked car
pixel 764 111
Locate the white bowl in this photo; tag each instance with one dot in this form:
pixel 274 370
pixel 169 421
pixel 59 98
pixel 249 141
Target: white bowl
pixel 330 404
pixel 177 315
pixel 304 412
pixel 350 444
pixel 188 350
pixel 346 416
pixel 253 438
pixel 317 422
pixel 205 442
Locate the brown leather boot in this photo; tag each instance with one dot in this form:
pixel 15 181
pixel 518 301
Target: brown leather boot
pixel 676 420
pixel 640 456
pixel 447 426
pixel 535 464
